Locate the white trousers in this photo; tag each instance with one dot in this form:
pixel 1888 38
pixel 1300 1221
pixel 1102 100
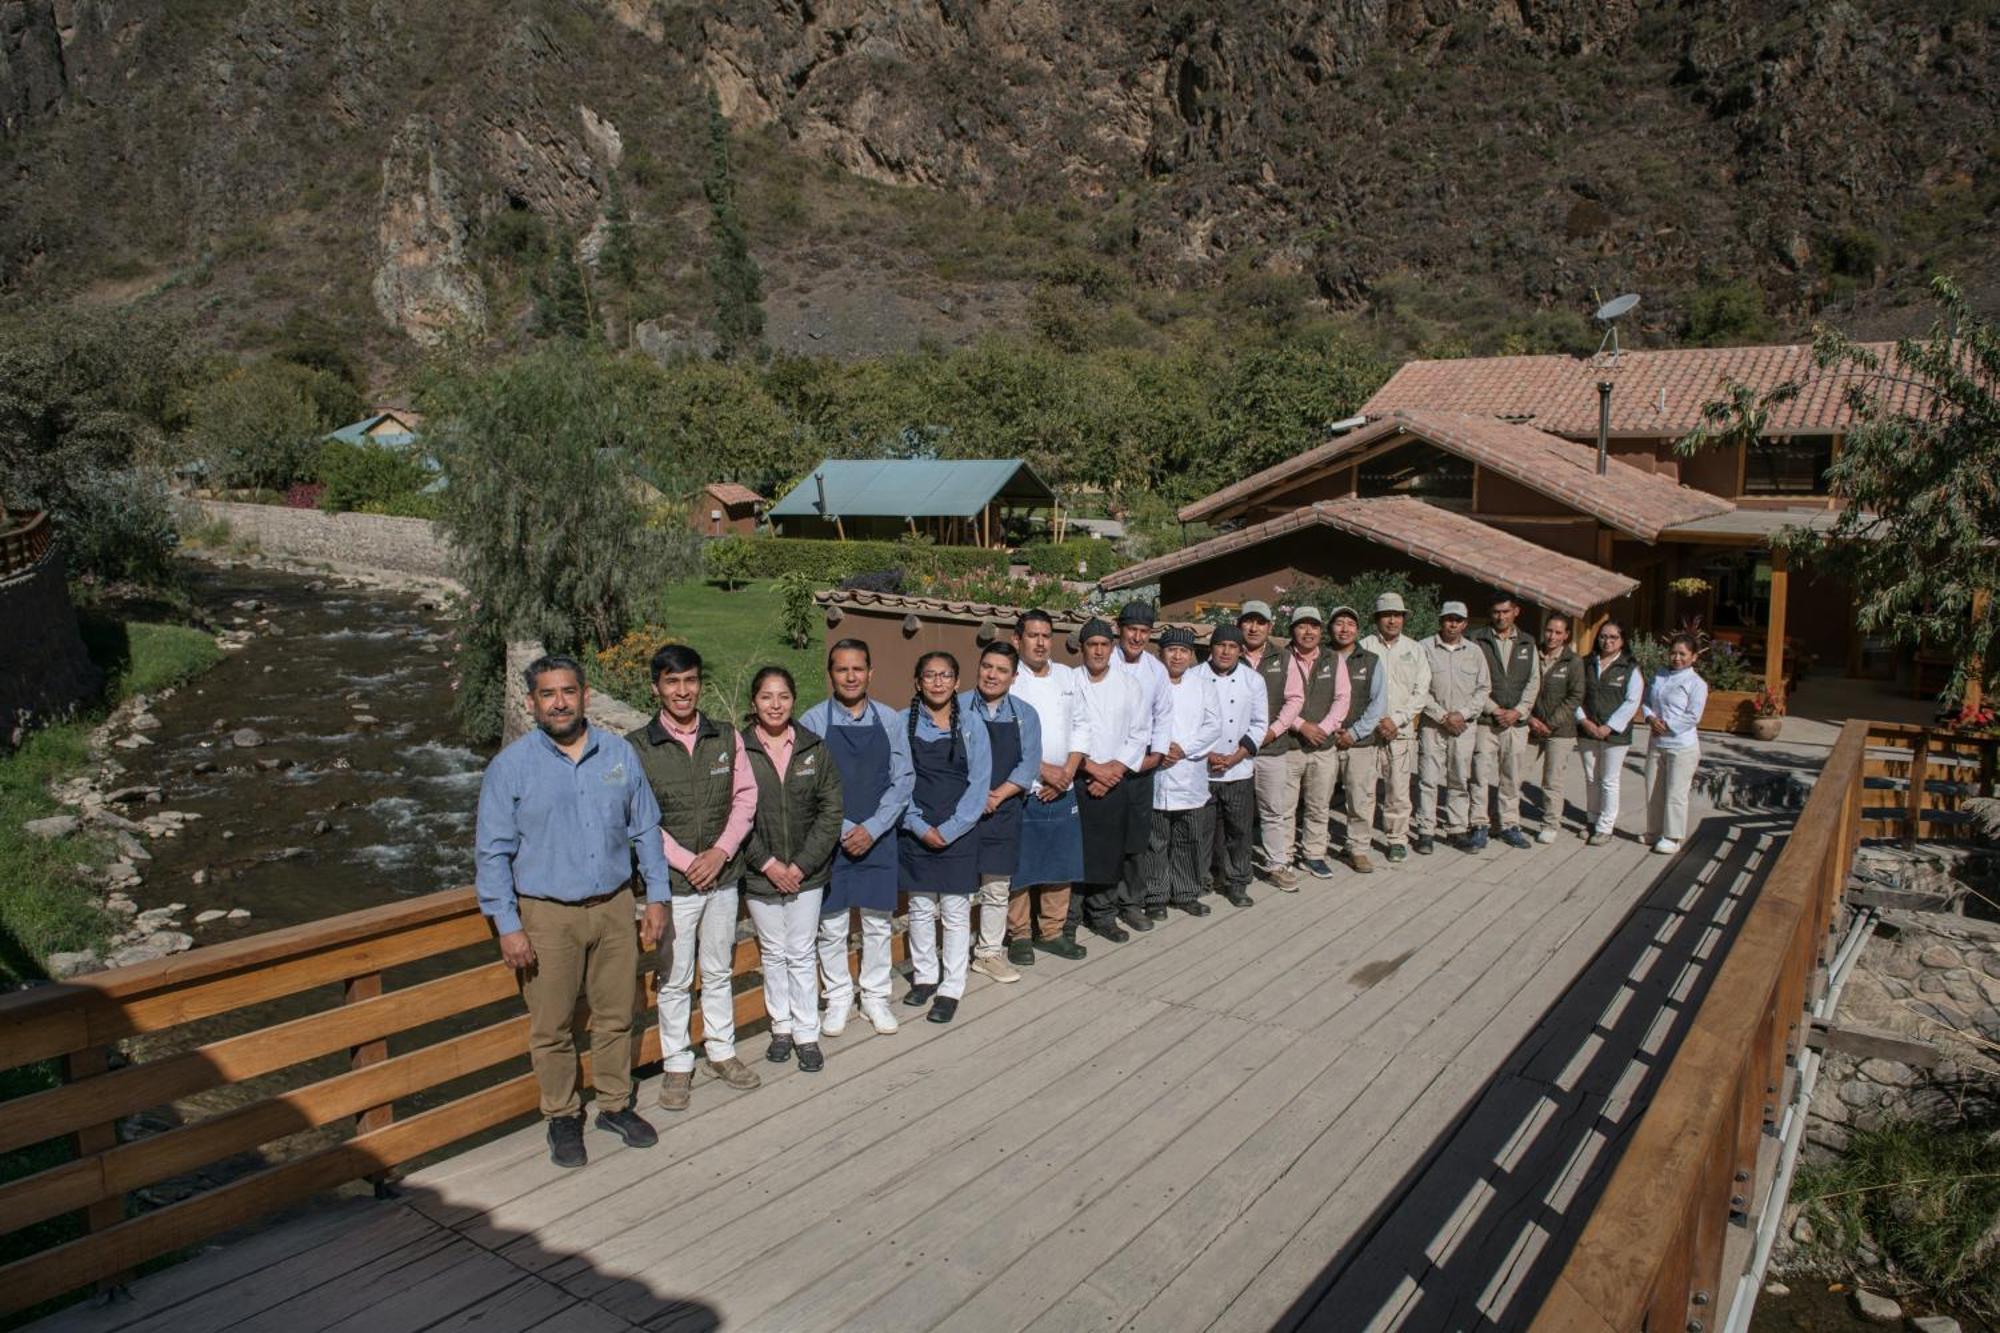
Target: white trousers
pixel 992 900
pixel 1669 778
pixel 839 982
pixel 787 928
pixel 926 968
pixel 704 930
pixel 1603 778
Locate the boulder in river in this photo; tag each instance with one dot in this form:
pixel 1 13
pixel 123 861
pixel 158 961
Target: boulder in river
pixel 160 944
pixel 1874 1308
pixel 246 738
pixel 74 964
pixel 133 795
pixel 211 914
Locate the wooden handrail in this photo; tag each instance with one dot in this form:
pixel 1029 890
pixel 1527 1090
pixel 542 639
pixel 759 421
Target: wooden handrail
pixel 78 1021
pixel 25 542
pixel 1651 1254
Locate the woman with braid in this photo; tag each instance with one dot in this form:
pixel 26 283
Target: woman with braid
pixel 940 865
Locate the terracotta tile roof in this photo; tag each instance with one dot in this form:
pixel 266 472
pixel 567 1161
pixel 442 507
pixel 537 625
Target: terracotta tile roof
pixel 1436 536
pixel 1655 392
pixel 733 493
pixel 939 608
pixel 1634 502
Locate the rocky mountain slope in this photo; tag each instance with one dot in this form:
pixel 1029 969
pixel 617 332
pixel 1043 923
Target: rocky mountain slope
pixel 922 168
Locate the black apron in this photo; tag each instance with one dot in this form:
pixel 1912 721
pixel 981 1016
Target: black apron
pixel 999 833
pixel 862 755
pixel 943 770
pixel 1105 832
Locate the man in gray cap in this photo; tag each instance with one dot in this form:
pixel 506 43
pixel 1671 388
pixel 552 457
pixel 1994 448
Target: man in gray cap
pixel 1460 686
pixel 1406 669
pixel 1295 766
pixel 1244 707
pixel 1119 729
pixel 1138 905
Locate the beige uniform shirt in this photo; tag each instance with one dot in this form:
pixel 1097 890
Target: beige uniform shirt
pixel 1460 681
pixel 1407 686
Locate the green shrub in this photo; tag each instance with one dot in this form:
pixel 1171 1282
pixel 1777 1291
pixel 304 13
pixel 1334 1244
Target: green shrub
pixel 361 476
pixel 1360 591
pixel 416 504
pixel 727 560
pixel 795 591
pixel 832 561
pixel 1731 312
pixel 1062 560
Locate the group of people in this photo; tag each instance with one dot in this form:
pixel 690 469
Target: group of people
pixel 1058 799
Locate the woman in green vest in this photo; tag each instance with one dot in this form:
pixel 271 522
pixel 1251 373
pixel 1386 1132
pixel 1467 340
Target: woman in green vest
pixel 1612 689
pixel 790 856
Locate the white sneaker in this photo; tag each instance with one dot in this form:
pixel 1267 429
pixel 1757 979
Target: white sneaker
pixel 877 1013
pixel 996 967
pixel 1666 846
pixel 1546 836
pixel 834 1021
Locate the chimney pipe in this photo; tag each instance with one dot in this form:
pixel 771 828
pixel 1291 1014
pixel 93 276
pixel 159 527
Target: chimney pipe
pixel 819 486
pixel 1603 426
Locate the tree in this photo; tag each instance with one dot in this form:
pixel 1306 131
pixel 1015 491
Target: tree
pixel 552 539
pixel 1917 478
pixel 618 259
pixel 737 281
pixel 562 303
pixel 258 426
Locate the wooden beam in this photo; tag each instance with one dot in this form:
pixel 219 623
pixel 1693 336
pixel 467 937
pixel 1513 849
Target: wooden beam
pixel 1774 644
pixel 1872 1044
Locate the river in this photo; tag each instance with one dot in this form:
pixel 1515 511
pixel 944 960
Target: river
pixel 362 792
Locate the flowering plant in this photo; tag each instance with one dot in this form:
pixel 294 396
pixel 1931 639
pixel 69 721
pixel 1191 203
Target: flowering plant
pixel 1969 718
pixel 1767 704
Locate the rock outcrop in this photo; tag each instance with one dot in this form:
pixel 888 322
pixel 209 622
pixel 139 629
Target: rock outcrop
pixel 424 281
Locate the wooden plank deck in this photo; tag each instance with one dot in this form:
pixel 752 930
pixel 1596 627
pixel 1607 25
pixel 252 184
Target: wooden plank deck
pixel 1381 1102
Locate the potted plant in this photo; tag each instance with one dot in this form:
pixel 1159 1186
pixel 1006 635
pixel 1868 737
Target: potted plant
pixel 1767 715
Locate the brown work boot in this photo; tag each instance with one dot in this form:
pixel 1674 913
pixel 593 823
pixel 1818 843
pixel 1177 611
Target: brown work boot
pixel 1361 862
pixel 735 1073
pixel 675 1090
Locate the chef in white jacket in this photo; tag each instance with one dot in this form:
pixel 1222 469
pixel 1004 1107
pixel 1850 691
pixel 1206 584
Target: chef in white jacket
pixel 1245 705
pixel 1178 852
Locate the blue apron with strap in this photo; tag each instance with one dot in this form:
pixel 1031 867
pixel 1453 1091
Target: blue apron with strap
pixel 862 756
pixel 943 770
pixel 999 833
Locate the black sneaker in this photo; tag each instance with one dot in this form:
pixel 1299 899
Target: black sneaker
pixel 943 1009
pixel 810 1059
pixel 920 994
pixel 1021 953
pixel 1062 946
pixel 1317 868
pixel 1156 914
pixel 1424 845
pixel 1111 930
pixel 1513 837
pixel 566 1140
pixel 780 1049
pixel 1136 920
pixel 627 1124
pixel 1238 898
pixel 1194 907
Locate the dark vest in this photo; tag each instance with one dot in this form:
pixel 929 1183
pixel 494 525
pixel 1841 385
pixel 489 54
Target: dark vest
pixel 1361 668
pixel 693 789
pixel 1604 694
pixel 1272 671
pixel 1510 678
pixel 1562 690
pixel 1319 695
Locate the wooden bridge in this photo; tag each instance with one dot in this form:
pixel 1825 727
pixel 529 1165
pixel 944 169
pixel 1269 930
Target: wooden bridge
pixel 1496 1091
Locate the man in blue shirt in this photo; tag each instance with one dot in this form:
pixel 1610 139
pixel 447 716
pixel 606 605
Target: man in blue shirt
pixel 562 812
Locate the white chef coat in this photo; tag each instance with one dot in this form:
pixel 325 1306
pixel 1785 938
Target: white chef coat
pixel 1245 707
pixel 1151 673
pixel 1057 699
pixel 1195 724
pixel 1117 718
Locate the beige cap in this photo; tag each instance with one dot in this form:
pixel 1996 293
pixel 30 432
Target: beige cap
pixel 1390 601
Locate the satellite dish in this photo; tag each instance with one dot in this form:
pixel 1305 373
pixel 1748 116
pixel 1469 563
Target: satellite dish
pixel 1608 315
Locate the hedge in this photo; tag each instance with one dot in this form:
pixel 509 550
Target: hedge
pixel 1060 560
pixel 831 561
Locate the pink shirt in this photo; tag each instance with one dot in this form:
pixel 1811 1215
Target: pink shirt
pixel 742 800
pixel 1342 690
pixel 1298 669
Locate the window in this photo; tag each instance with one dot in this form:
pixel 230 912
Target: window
pixel 1420 471
pixel 1795 466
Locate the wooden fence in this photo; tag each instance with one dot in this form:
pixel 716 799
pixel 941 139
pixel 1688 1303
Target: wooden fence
pixel 1662 1248
pixel 24 539
pixel 344 960
pixel 1917 780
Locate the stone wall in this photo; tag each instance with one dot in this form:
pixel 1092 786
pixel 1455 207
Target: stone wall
pixel 44 670
pixel 368 542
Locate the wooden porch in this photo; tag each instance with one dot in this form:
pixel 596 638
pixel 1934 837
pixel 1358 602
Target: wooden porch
pixel 1386 1100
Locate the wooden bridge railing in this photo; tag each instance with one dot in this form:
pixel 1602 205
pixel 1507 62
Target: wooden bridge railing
pixel 340 964
pixel 1652 1254
pixel 24 539
pixel 1918 779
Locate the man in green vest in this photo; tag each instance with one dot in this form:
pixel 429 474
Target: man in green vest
pixel 1351 735
pixel 707 794
pixel 1500 755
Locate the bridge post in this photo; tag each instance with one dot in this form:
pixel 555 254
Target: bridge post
pixel 369 987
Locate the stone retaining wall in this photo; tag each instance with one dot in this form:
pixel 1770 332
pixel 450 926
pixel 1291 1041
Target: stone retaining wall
pixel 44 670
pixel 413 546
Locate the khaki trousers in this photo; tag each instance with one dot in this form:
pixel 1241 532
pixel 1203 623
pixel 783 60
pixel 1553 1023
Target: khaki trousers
pixel 1285 782
pixel 1354 769
pixel 1044 907
pixel 1549 756
pixel 1443 760
pixel 1499 759
pixel 592 951
pixel 1669 778
pixel 1391 761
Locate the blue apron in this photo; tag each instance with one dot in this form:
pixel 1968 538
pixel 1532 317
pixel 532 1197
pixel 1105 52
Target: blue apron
pixel 943 770
pixel 999 833
pixel 862 756
pixel 1051 842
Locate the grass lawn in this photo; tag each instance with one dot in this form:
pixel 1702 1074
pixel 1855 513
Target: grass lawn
pixel 736 633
